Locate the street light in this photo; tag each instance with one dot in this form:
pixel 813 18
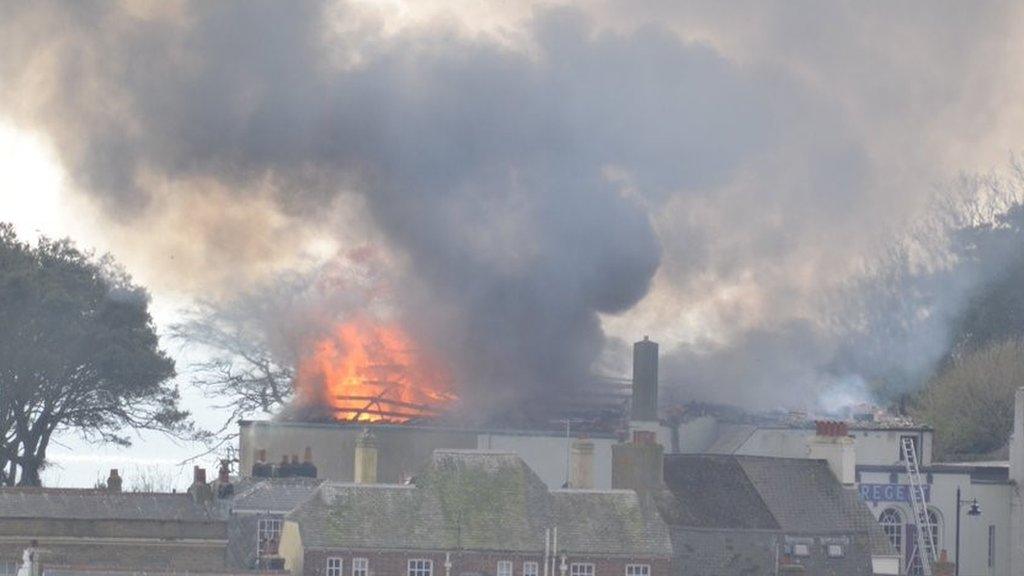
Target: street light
pixel 973 509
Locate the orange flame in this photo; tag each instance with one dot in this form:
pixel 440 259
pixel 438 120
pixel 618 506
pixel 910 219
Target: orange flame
pixel 370 372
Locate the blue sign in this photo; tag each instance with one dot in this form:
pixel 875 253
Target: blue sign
pixel 891 492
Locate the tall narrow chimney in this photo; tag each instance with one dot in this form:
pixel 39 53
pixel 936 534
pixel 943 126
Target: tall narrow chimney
pixel 645 381
pixel 366 459
pixel 582 458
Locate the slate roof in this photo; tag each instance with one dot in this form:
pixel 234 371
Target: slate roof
pixel 273 495
pixel 611 522
pixel 479 500
pixel 795 495
pixel 712 492
pixel 79 504
pixel 727 514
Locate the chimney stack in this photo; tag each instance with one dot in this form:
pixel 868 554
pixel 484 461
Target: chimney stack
pixel 224 473
pixel 645 381
pixel 114 481
pixel 582 471
pixel 224 486
pixel 638 465
pixel 366 459
pixel 200 491
pixel 261 469
pixel 307 469
pixel 832 443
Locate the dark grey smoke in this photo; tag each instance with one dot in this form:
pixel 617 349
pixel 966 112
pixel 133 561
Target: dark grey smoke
pixel 517 186
pixel 524 189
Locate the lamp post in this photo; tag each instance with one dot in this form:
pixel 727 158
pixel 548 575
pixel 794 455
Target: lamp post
pixel 973 510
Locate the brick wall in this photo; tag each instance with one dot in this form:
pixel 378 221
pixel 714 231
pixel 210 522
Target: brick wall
pixel 396 563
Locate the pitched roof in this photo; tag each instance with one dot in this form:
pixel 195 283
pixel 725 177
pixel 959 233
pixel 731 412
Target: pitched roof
pixel 794 495
pixel 712 492
pixel 481 501
pixel 610 522
pixel 79 504
pixel 273 495
pixel 728 514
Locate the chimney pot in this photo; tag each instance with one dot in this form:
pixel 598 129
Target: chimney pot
pixel 307 455
pixel 114 481
pixel 198 475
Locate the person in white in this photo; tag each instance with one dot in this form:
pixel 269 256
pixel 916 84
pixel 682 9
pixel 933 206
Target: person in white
pixel 28 560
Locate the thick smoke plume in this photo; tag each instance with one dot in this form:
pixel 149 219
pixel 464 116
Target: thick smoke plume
pixel 533 186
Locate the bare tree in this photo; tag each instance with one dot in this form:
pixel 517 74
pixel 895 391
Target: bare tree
pixel 237 368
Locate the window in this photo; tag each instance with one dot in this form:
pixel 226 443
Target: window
pixel 334 566
pixel 834 550
pixel 530 569
pixel 936 522
pixel 892 524
pixel 360 567
pixel 801 550
pixel 917 448
pixel 638 570
pixel 504 568
pixel 581 569
pixel 991 546
pixel 420 567
pixel 268 536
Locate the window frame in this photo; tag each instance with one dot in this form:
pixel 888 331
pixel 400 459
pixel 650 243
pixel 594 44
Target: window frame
pixel 582 569
pixel 840 550
pixel 801 550
pixel 638 570
pixel 423 567
pixel 507 565
pixel 894 530
pixel 334 566
pixel 274 533
pixel 364 570
pixel 534 568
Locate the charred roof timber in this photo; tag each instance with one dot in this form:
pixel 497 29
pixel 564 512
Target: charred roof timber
pixel 645 381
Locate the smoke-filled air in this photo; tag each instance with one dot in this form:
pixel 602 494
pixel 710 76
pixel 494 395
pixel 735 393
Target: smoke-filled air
pixel 789 200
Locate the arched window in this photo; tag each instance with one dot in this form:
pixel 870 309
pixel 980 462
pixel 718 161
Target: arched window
pixel 936 521
pixel 892 524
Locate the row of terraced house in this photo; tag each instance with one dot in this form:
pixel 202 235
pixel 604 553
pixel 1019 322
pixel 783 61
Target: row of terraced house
pixel 465 512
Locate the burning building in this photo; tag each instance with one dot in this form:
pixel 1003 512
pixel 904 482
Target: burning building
pixel 371 376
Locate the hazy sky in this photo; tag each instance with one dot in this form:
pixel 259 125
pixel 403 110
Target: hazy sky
pixel 767 188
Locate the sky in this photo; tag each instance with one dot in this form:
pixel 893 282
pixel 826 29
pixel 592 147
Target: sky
pixel 769 189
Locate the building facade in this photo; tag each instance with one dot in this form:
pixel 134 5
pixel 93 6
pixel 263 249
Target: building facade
pixel 474 512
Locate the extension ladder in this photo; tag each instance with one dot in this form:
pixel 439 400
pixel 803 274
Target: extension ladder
pixel 925 534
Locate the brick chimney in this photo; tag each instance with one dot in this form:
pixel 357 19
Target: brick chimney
pixel 638 465
pixel 223 487
pixel 582 460
pixel 114 481
pixel 200 491
pixel 832 443
pixel 365 469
